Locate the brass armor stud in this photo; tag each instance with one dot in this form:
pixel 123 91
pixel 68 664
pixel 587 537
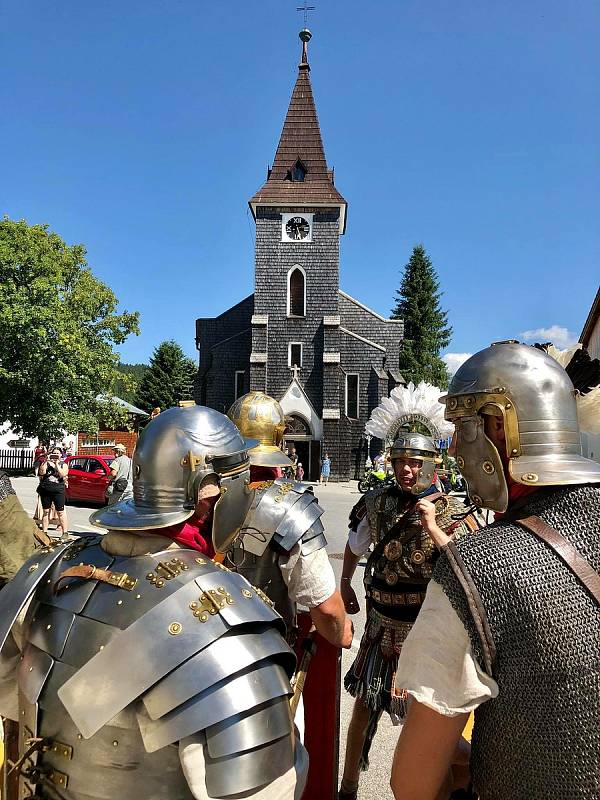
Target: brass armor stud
pixel 393 550
pixel 391 577
pixel 488 467
pixel 175 628
pixel 417 557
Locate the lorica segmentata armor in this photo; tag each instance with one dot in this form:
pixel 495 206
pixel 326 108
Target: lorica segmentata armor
pixel 116 671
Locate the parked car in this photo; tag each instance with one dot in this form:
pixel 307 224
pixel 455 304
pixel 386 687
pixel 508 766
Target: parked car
pixel 89 477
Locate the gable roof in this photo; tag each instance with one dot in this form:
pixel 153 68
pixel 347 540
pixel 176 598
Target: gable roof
pixel 300 141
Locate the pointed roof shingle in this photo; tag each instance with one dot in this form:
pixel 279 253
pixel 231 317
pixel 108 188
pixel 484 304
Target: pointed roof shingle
pixel 300 142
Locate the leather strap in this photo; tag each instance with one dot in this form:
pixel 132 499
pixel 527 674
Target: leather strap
pixel 41 537
pixel 90 572
pixel 565 551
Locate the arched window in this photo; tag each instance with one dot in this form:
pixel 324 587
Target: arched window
pixel 296 292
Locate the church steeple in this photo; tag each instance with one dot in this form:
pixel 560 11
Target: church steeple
pixel 299 175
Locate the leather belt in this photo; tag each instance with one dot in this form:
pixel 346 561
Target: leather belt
pixel 395 599
pixel 90 572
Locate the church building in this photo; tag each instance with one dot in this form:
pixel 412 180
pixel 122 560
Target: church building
pixel 325 356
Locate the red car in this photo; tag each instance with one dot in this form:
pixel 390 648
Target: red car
pixel 88 478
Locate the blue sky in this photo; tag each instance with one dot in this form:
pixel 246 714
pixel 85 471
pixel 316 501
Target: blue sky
pixel 142 128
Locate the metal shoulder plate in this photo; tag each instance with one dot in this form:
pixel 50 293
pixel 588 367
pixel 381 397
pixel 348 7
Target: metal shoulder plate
pixel 357 514
pixel 210 603
pixel 375 502
pixel 17 592
pixel 286 513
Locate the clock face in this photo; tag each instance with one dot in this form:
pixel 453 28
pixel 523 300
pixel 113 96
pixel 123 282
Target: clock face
pixel 297 228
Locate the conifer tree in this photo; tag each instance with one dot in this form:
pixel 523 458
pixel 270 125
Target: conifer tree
pixel 426 329
pixel 168 379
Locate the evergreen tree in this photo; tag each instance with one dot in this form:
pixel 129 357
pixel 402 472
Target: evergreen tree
pixel 128 380
pixel 426 329
pixel 168 379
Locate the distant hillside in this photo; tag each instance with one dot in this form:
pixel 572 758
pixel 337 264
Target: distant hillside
pixel 134 373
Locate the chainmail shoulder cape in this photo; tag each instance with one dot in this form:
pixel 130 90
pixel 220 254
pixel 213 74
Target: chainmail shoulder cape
pixel 540 738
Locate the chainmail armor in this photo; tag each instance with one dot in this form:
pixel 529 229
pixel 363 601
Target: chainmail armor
pixel 540 738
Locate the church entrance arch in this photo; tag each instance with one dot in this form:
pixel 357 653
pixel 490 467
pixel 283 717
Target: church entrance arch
pixel 299 435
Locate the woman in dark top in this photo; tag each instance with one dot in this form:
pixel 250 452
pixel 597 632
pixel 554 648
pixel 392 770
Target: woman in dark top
pixel 51 489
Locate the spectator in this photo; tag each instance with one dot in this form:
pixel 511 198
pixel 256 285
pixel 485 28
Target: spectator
pixel 40 454
pixel 379 463
pixel 51 489
pixel 121 485
pixel 325 469
pixel 154 413
pixel 299 472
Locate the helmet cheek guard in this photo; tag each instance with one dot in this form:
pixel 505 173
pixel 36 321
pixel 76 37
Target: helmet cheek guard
pixel 480 464
pixel 424 477
pixel 231 508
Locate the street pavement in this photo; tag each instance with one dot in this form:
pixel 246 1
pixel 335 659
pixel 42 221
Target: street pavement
pixel 337 499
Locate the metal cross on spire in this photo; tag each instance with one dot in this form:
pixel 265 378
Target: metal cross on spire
pixel 305 9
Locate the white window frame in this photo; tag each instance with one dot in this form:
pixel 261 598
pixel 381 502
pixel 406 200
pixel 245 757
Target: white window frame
pixel 289 298
pixel 348 374
pixel 235 380
pixel 290 365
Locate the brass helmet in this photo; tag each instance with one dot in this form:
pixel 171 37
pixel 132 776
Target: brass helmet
pixel 176 452
pixel 417 445
pixel 259 416
pixel 536 400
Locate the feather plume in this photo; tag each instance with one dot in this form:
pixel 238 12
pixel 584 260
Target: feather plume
pixel 562 356
pixel 585 374
pixel 588 411
pixel 408 404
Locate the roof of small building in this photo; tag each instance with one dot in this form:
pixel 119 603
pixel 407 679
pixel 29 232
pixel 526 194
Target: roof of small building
pixel 300 144
pixel 120 402
pixel 591 321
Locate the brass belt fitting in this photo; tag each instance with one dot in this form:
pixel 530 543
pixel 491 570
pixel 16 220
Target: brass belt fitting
pixel 122 580
pixel 393 599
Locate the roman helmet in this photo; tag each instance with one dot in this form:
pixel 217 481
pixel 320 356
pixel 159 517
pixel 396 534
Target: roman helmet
pixel 417 445
pixel 259 416
pixel 175 454
pixel 537 402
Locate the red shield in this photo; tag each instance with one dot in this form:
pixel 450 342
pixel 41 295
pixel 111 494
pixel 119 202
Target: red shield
pixel 321 713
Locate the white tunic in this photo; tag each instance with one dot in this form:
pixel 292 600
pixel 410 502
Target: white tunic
pixel 437 666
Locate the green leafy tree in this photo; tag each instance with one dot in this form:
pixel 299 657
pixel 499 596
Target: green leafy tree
pixel 168 379
pixel 58 329
pixel 426 328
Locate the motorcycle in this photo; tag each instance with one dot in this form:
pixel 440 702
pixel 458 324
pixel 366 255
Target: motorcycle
pixel 371 479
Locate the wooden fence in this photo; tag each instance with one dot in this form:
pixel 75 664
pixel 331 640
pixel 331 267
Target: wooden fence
pixel 14 458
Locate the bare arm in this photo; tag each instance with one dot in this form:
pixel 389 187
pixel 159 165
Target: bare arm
pixel 331 621
pixel 63 469
pixel 424 753
pixel 43 468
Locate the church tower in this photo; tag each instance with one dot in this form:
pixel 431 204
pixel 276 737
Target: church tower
pixel 300 216
pixel 324 355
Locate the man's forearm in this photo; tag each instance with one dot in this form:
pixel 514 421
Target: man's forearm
pixel 331 621
pixel 350 562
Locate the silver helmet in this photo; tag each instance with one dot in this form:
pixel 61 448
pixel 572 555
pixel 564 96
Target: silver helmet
pixel 175 454
pixel 536 400
pixel 417 445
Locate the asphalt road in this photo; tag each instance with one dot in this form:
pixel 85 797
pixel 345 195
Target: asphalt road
pixel 337 500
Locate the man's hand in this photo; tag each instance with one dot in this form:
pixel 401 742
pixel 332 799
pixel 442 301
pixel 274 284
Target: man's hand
pixel 349 597
pixel 426 511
